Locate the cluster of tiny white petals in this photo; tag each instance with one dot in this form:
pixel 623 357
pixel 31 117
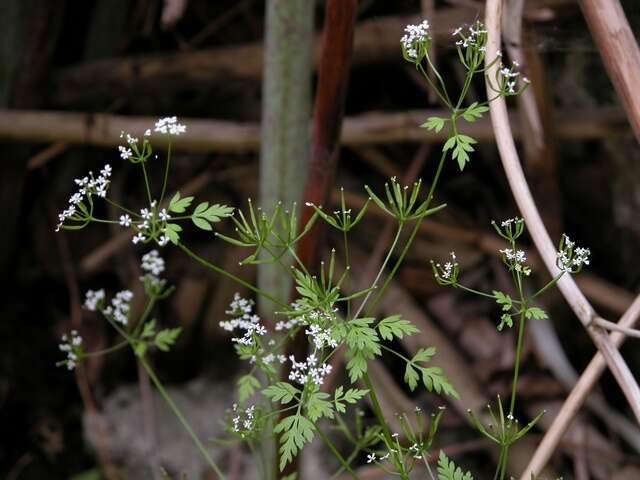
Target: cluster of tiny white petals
pixel 472 37
pixel 125 153
pixel 509 76
pixel 510 221
pixel 93 299
pixel 517 259
pixel 70 345
pixel 152 265
pixel 243 420
pixel 309 370
pixel 321 337
pixel 244 319
pixel 446 270
pixel 120 307
pixel 169 125
pixel 414 34
pixel 87 186
pixel 572 258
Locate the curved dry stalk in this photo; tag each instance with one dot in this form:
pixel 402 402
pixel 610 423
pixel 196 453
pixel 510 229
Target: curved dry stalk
pixel 511 163
pixel 577 397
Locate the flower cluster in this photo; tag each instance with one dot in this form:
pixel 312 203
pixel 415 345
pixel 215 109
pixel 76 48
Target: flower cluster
pixel 245 320
pixel 321 337
pixel 447 274
pixel 243 421
pixel 309 370
pixel 152 265
pixel 506 79
pixel 570 258
pixel 94 300
pixel 475 36
pixel 72 345
pixel 415 41
pixel 169 125
pixel 151 226
pixel 88 186
pixel 120 307
pixel 515 259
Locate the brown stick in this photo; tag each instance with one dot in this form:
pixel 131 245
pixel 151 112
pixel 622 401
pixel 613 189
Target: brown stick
pixel 202 135
pixel 619 52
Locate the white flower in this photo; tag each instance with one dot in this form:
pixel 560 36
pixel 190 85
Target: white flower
pixel 371 458
pixel 106 171
pixel 71 345
pixel 93 298
pixel 120 307
pixel 139 237
pixel 163 240
pixel 169 125
pixel 76 198
pixel 245 320
pixel 414 35
pixel 152 263
pixel 164 215
pixel 147 132
pixel 125 220
pixel 146 213
pixel 125 153
pixel 570 258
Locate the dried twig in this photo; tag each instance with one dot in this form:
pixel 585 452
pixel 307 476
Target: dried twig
pixel 511 163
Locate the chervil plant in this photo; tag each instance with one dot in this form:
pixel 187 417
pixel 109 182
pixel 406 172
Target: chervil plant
pixel 295 399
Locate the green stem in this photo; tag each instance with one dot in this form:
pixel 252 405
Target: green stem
pixel 176 411
pixel 516 369
pixel 336 453
pixel 548 285
pixel 435 88
pixel 105 351
pixel 382 267
pixel 414 232
pixel 377 409
pixel 347 265
pixel 117 205
pixel 146 182
pixel 230 276
pixel 166 175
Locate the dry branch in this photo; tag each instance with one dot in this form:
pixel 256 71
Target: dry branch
pixel 227 136
pixel 619 51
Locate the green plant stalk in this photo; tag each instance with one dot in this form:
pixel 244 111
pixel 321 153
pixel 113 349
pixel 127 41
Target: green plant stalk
pixel 382 267
pixel 146 182
pixel 346 265
pixel 413 234
pixel 230 276
pixel 516 369
pixel 336 453
pixel 176 411
pixel 166 175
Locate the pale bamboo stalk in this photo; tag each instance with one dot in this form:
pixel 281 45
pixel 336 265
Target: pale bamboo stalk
pixel 577 397
pixel 567 286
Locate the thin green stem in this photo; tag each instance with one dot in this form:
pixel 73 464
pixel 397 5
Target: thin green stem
pixel 336 453
pixel 413 234
pixel 516 369
pixel 377 409
pixel 434 87
pixel 176 411
pixel 382 267
pixel 105 351
pixel 474 291
pixel 444 87
pixel 347 264
pixel 146 182
pixel 166 175
pixel 548 285
pixel 117 205
pixel 230 276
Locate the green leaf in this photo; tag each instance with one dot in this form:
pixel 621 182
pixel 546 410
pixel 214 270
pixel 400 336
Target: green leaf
pixel 296 431
pixel 179 205
pixel 201 223
pixel 165 338
pixel 474 112
pixel 447 470
pixel 449 144
pixel 282 392
pixel 171 230
pixel 357 365
pixel 318 406
pixel 292 476
pixel 149 329
pixel 353 395
pixel 505 319
pixel 411 376
pixel 247 385
pixel 200 208
pixel 214 213
pixel 434 123
pixel 140 348
pixel 395 326
pixel 424 354
pixel 361 336
pixel 434 380
pixel 536 313
pixel 503 299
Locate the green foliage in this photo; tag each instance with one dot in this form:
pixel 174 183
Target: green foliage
pixel 295 431
pixel 447 470
pixel 172 231
pixel 318 406
pixel 394 326
pixel 474 111
pixel 178 204
pixel 434 123
pixel 247 385
pixel 165 338
pixel 536 313
pixel 461 145
pixel 204 214
pixel 352 396
pixel 282 392
pixel 432 377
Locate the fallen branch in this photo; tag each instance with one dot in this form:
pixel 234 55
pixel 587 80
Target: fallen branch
pixel 104 130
